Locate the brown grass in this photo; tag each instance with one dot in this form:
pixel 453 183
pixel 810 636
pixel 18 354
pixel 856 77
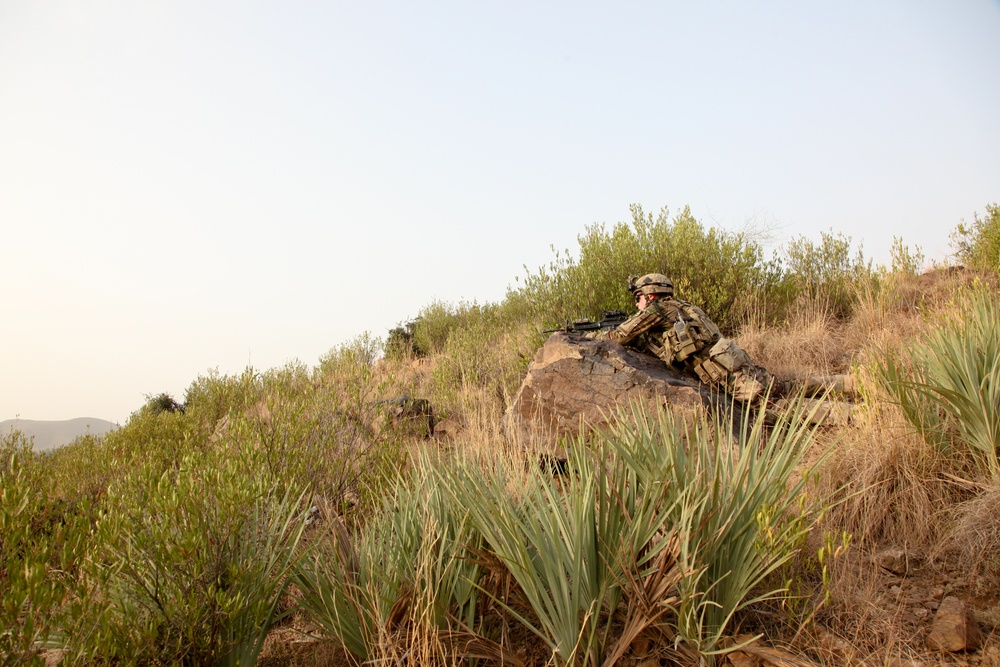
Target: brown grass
pixel 889 487
pixel 809 344
pixel 974 537
pixel 859 625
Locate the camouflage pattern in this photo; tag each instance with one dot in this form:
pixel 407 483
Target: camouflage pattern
pixel 684 337
pixel 651 283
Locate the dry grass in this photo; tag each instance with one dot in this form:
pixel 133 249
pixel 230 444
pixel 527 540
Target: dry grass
pixel 889 486
pixel 974 537
pixel 814 342
pixel 859 625
pixel 809 344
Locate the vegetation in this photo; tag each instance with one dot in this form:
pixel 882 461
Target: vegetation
pixel 297 500
pixel 978 243
pixel 723 272
pixel 947 385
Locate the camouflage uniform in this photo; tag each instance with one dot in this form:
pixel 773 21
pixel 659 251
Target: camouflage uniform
pixel 682 336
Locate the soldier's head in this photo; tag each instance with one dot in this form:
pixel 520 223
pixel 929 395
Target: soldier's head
pixel 650 287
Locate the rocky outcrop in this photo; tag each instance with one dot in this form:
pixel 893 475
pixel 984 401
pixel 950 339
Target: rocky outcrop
pixel 574 380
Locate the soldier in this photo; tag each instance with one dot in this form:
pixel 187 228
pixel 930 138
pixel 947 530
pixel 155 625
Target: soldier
pixel 682 336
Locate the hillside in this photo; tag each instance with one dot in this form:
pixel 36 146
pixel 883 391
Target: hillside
pixel 48 435
pixel 302 516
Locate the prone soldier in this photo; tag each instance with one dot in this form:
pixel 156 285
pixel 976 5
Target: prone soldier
pixel 684 337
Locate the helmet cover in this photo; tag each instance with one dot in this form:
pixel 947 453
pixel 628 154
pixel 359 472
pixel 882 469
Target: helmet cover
pixel 651 283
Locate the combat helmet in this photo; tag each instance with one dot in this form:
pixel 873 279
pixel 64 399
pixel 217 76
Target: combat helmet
pixel 651 283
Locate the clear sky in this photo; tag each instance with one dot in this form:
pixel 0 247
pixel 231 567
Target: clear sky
pixel 195 185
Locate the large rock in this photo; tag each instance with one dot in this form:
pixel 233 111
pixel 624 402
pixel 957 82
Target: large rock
pixel 574 379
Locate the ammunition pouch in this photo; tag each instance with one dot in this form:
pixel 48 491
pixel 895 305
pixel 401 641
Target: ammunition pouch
pixel 723 359
pixel 681 342
pixel 710 372
pixel 727 354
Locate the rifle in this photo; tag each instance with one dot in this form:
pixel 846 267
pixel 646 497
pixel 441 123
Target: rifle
pixel 612 318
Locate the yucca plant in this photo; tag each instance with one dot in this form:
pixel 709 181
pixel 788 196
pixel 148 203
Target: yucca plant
pixel 948 385
pixel 571 544
pixel 732 500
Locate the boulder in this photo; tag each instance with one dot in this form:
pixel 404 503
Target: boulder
pixel 575 380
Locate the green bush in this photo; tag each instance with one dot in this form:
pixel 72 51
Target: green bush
pixel 722 272
pixel 401 342
pixel 487 355
pixel 41 544
pixel 212 397
pixel 905 262
pixel 826 274
pixel 436 322
pixel 189 566
pixel 163 402
pixel 978 244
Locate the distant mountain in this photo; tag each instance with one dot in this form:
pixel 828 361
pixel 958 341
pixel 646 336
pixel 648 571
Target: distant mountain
pixel 52 434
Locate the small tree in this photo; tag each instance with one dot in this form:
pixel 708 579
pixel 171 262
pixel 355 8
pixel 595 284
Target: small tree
pixel 161 403
pixel 978 244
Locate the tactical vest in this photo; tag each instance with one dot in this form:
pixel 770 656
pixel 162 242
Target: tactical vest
pixel 690 339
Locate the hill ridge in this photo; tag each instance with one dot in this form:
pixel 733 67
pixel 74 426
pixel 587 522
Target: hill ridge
pixel 50 434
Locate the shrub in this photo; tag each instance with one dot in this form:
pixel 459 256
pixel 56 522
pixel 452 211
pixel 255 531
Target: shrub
pixel 211 397
pixel 155 404
pixel 826 275
pixel 978 244
pixel 722 272
pixel 401 342
pixel 189 566
pixel 905 262
pixel 487 355
pixel 41 544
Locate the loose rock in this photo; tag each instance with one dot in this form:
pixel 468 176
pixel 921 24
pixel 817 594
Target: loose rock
pixel 954 628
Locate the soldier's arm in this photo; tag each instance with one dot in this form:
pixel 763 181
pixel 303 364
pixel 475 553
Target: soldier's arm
pixel 633 327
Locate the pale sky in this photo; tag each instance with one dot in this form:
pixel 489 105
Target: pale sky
pixel 195 185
